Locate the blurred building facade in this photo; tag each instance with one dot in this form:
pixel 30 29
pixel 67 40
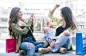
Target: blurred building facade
pixel 41 8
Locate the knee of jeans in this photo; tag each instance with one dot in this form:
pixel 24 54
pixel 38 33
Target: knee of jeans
pixel 30 47
pixel 46 30
pixel 66 33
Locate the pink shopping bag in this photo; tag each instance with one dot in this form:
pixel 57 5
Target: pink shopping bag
pixel 11 45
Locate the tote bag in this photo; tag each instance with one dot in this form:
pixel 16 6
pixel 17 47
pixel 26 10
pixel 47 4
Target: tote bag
pixel 80 44
pixel 11 45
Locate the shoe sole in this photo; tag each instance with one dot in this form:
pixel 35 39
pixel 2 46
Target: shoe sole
pixel 64 51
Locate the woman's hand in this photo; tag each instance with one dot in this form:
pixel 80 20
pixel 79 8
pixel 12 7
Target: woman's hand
pixel 52 44
pixel 31 17
pixel 56 6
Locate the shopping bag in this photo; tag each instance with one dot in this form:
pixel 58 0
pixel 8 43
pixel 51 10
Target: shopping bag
pixel 11 45
pixel 79 44
pixel 84 44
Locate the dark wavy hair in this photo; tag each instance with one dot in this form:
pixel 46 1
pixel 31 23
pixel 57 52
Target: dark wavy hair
pixel 12 19
pixel 68 17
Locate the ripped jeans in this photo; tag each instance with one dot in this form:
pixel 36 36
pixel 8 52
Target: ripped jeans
pixel 62 41
pixel 31 48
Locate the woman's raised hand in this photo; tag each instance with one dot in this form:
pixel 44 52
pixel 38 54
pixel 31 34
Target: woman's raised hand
pixel 56 6
pixel 31 17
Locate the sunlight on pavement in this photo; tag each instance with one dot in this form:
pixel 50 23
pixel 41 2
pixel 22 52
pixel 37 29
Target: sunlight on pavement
pixel 2 46
pixel 74 53
pixel 2 41
pixel 2 50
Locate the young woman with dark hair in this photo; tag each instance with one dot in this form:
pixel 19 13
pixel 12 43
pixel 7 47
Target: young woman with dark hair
pixel 23 31
pixel 65 30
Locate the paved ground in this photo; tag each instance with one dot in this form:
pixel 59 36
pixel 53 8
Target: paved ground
pixel 3 52
pixel 71 53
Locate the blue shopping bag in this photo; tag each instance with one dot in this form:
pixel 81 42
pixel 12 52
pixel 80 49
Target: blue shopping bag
pixel 79 44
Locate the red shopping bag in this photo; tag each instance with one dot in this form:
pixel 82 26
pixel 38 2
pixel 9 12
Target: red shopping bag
pixel 11 45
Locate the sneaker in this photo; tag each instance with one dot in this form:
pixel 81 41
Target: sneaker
pixel 40 50
pixel 63 50
pixel 22 52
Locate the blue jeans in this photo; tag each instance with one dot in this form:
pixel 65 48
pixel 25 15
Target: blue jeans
pixel 67 45
pixel 49 35
pixel 30 48
pixel 62 41
pixel 36 45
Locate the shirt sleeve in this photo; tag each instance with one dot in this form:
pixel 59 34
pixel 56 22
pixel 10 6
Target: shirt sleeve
pixel 55 19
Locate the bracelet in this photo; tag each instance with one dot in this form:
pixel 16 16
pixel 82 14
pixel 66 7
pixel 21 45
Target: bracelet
pixel 50 12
